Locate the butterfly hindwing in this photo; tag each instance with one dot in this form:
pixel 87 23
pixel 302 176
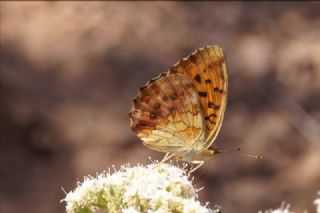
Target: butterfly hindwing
pixel 167 114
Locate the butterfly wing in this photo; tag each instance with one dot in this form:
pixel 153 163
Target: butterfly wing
pixel 207 70
pixel 167 115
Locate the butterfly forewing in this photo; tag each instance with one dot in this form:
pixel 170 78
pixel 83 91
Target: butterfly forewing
pixel 206 68
pixel 220 88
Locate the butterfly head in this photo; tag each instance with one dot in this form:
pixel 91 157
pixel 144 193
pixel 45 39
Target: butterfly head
pixel 210 152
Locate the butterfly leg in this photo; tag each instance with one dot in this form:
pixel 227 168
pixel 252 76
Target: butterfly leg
pixel 166 157
pixel 194 168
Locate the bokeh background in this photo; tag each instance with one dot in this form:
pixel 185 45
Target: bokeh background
pixel 69 71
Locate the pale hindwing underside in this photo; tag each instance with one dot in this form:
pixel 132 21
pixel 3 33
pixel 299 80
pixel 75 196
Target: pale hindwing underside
pixel 167 115
pixel 207 70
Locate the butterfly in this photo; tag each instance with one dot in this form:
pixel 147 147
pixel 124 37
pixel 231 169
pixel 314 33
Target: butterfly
pixel 180 112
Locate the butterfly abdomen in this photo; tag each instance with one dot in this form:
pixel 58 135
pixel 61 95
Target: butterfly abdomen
pixel 197 155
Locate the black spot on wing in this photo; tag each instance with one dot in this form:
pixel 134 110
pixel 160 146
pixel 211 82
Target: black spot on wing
pixel 165 98
pixel 213 122
pixel 211 115
pixel 197 78
pixel 208 81
pixel 208 118
pixel 202 94
pixel 153 115
pixel 174 96
pixel 157 106
pixel 213 105
pixel 216 89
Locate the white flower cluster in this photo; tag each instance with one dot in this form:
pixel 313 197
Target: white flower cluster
pixel 155 188
pixel 285 208
pixel 317 202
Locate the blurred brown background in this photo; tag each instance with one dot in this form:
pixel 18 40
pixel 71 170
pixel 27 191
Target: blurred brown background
pixel 69 72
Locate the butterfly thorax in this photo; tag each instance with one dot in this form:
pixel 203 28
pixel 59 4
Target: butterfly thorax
pixel 198 154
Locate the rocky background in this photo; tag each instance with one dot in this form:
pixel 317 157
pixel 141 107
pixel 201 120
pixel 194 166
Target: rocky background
pixel 69 71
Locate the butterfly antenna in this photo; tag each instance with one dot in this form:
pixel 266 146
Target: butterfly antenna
pixel 258 157
pixel 237 150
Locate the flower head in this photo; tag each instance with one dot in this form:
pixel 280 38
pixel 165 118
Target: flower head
pixel 155 188
pixel 284 208
pixel 317 202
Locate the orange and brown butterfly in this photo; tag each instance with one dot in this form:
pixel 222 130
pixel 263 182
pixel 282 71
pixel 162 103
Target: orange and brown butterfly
pixel 180 112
